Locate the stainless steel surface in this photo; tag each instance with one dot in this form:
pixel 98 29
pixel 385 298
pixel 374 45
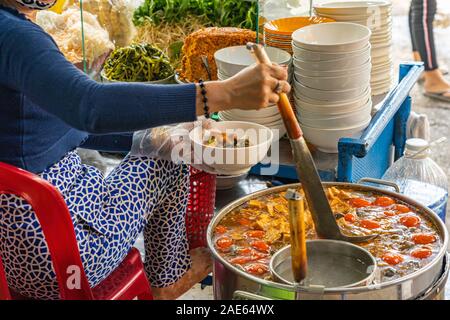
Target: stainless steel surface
pixel 206 66
pixel 382 182
pixel 228 279
pixel 229 182
pixel 297 251
pixel 331 264
pixel 435 292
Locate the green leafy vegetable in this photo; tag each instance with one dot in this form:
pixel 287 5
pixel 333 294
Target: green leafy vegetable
pixel 137 63
pixel 220 13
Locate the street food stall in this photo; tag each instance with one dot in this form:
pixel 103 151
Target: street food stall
pixel 350 101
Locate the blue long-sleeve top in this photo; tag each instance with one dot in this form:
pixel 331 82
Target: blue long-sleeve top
pixel 48 107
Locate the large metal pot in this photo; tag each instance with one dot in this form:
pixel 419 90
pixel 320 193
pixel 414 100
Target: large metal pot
pixel 228 279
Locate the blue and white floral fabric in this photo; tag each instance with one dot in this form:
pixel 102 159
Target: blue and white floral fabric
pixel 141 194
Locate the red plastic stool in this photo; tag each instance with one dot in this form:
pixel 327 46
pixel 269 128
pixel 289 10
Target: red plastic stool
pixel 128 281
pixel 200 209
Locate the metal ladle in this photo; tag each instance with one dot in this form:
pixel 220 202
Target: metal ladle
pixel 323 217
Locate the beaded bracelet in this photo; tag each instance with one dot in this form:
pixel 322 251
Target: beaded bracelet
pixel 205 99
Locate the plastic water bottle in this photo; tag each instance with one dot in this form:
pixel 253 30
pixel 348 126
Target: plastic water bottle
pixel 420 178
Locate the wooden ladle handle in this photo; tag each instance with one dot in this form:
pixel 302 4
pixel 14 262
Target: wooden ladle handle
pixel 284 106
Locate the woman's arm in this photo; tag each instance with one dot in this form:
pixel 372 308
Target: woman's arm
pixel 32 64
pixel 115 142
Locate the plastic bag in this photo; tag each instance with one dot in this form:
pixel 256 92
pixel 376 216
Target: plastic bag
pixel 170 143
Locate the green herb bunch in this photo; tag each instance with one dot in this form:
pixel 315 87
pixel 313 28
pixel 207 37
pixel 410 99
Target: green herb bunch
pixel 220 13
pixel 137 63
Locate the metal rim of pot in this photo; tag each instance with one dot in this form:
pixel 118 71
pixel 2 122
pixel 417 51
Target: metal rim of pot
pixel 419 207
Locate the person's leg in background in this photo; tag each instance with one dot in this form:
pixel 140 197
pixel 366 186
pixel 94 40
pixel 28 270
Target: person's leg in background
pixel 421 18
pixel 416 54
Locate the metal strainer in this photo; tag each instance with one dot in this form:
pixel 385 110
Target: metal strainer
pixel 331 264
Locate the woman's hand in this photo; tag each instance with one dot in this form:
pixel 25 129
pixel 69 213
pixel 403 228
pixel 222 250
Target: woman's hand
pixel 258 86
pixel 170 143
pixel 255 87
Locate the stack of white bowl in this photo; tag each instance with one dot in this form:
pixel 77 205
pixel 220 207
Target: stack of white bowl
pixel 332 82
pixel 230 61
pixel 376 15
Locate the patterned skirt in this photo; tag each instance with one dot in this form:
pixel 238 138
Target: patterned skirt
pixel 140 195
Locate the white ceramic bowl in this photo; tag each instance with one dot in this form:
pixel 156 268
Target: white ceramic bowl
pixel 380 52
pixel 333 109
pixel 351 69
pixel 332 37
pixel 328 121
pixel 342 82
pixel 314 106
pixel 330 95
pixel 231 60
pixel 333 65
pixel 353 7
pixel 233 161
pixel 260 120
pixel 310 55
pixel 326 140
pixel 261 113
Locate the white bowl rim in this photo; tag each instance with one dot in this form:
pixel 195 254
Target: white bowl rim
pixel 327 91
pixel 353 4
pixel 320 25
pixel 269 140
pixel 328 117
pixel 366 72
pixel 368 47
pixel 345 71
pixel 240 64
pixel 364 96
pixel 340 129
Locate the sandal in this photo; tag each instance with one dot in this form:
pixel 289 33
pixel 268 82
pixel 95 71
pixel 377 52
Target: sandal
pixel 421 80
pixel 438 96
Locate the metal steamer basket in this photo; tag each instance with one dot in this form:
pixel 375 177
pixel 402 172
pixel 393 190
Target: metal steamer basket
pixel 231 282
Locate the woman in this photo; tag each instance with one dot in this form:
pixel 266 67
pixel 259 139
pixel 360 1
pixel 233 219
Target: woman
pixel 48 108
pixel 421 18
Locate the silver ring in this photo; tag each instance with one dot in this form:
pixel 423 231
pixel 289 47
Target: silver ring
pixel 277 88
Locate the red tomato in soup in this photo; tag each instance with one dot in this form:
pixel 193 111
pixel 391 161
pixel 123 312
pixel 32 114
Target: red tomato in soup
pixel 423 238
pixel 421 253
pixel 410 221
pixel 244 251
pixel 244 222
pixel 256 268
pixel 384 201
pixel 359 202
pixel 350 217
pixel 255 234
pixel 221 229
pixel 402 208
pixel 370 224
pixel 261 246
pixel 224 243
pixel 390 213
pixel 392 258
pixel 241 260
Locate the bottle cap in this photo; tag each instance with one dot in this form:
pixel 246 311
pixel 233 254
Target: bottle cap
pixel 415 144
